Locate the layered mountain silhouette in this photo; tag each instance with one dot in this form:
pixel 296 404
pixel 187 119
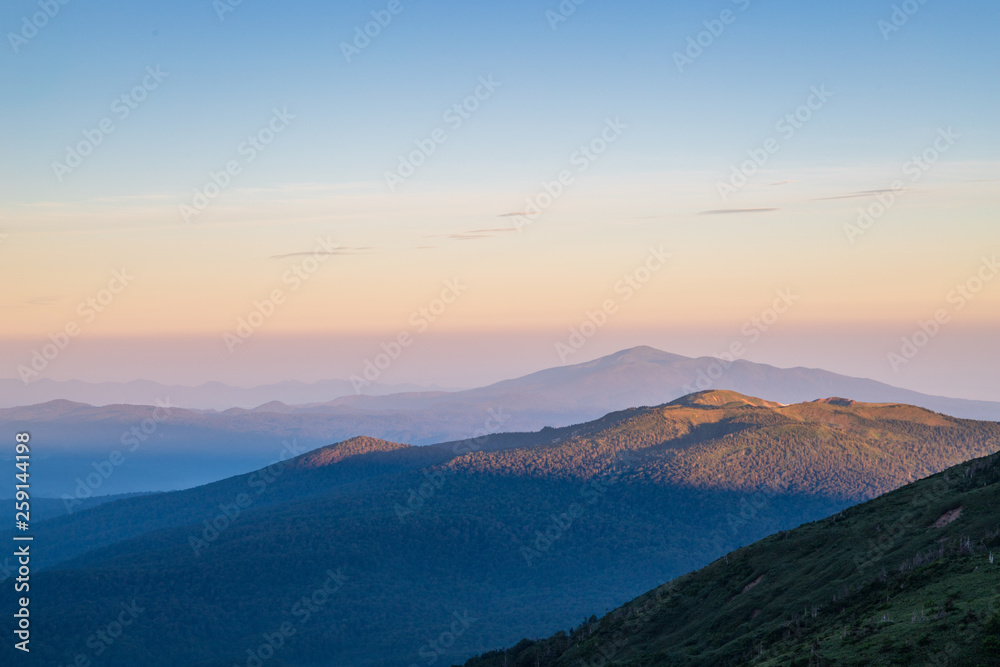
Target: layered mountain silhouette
pixel 371 552
pixel 239 440
pixel 647 376
pixel 207 396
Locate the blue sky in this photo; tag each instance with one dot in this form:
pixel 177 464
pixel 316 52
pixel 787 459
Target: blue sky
pixel 607 59
pixel 891 95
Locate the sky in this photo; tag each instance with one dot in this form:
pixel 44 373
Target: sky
pixel 256 192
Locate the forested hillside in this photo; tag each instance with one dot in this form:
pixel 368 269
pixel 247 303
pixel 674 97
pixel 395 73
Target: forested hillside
pixel 524 533
pixel 910 578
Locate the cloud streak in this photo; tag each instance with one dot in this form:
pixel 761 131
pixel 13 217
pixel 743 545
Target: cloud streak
pixel 313 253
pixel 476 234
pixel 857 195
pixel 736 211
pixel 472 234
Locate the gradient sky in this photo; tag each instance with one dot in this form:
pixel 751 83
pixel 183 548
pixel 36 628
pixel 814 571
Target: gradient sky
pixel 323 177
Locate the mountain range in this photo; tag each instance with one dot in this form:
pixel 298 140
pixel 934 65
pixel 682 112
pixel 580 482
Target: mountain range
pixel 182 448
pixel 207 396
pixel 647 376
pixel 371 552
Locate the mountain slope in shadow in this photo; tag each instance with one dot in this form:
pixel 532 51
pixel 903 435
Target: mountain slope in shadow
pixel 912 577
pixel 506 536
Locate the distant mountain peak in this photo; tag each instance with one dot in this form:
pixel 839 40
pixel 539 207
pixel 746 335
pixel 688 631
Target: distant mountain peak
pixel 336 453
pixel 643 353
pixel 273 406
pixel 721 398
pixel 56 408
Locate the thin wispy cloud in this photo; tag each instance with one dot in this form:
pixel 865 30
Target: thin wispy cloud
pixel 472 234
pixel 477 234
pixel 313 253
pixel 312 187
pixel 41 301
pixel 736 211
pixel 859 195
pixel 152 196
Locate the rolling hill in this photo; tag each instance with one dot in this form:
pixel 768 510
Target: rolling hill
pixel 370 552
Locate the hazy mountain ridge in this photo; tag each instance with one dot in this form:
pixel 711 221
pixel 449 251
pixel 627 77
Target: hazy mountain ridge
pixel 647 376
pixel 207 396
pixel 179 448
pixel 240 440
